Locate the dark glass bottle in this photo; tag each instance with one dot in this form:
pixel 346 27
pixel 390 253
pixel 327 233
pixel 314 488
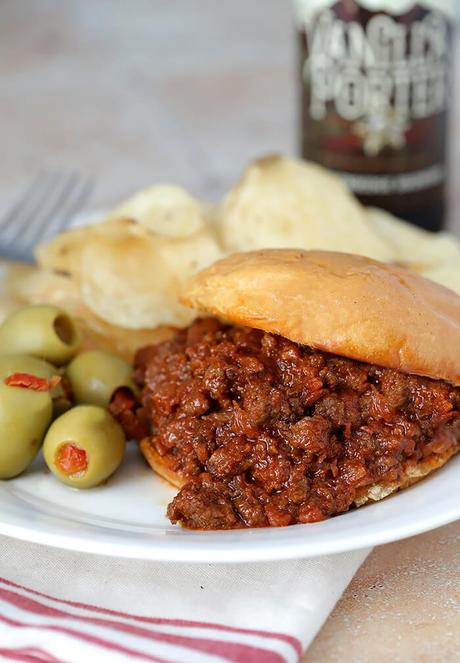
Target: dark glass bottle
pixel 375 82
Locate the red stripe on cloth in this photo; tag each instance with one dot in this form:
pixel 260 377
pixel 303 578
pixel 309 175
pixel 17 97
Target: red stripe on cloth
pixel 45 655
pixel 42 655
pixel 159 621
pixel 232 651
pixel 20 655
pixel 33 655
pixel 80 635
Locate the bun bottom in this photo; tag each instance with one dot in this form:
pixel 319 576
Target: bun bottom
pixel 158 465
pixel 413 471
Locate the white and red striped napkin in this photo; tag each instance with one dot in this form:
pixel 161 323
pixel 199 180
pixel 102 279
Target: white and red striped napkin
pixel 60 606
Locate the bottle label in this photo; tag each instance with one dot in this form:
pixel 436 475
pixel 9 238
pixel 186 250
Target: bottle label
pixel 376 86
pixel 305 9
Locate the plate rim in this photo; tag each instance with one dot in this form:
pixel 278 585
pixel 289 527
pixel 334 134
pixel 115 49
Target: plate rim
pixel 198 552
pixel 184 554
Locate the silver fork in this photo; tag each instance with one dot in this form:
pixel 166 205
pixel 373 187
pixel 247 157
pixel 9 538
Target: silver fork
pixel 44 209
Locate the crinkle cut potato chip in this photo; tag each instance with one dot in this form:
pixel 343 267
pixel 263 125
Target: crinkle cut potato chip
pixel 285 203
pixel 164 209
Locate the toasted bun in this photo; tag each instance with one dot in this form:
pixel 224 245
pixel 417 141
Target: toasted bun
pixel 157 463
pixel 339 303
pixel 412 472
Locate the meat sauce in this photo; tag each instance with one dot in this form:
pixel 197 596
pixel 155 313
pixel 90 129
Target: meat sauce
pixel 269 433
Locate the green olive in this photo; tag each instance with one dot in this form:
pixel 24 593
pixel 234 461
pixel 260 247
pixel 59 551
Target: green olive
pixel 25 364
pixel 95 375
pixel 25 415
pixel 84 446
pixel 41 330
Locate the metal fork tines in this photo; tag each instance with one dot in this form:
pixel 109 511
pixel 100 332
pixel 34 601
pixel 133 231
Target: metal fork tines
pixel 44 209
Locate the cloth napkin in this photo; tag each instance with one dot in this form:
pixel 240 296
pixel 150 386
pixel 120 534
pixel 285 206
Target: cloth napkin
pixel 61 606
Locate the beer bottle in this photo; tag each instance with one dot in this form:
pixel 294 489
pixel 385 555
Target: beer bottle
pixel 375 85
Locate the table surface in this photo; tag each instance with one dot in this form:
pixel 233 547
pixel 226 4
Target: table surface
pixel 188 92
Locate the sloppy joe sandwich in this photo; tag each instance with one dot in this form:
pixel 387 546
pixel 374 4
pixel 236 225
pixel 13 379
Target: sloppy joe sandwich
pixel 322 381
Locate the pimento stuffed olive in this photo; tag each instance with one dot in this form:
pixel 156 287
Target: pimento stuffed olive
pixel 27 386
pixel 84 446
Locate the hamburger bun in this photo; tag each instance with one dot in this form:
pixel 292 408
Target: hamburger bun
pixel 344 304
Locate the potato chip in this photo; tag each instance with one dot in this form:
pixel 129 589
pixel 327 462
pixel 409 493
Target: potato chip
pixel 188 256
pixel 120 278
pixel 133 281
pixel 282 202
pixel 11 273
pixel 446 273
pixel 38 286
pixel 124 281
pixel 165 210
pixel 124 273
pixel 26 284
pixel 97 333
pixel 63 253
pixel 414 247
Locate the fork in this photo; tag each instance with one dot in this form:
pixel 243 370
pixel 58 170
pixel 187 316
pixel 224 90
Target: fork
pixel 44 209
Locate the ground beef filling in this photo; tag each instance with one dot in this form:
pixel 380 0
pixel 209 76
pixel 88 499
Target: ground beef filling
pixel 269 433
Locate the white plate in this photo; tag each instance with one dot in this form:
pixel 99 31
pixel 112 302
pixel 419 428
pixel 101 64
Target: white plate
pixel 126 518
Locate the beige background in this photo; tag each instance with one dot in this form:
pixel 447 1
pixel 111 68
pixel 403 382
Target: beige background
pixel 188 91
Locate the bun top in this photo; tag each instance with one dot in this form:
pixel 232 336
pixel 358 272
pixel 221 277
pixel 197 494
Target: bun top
pixel 340 303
